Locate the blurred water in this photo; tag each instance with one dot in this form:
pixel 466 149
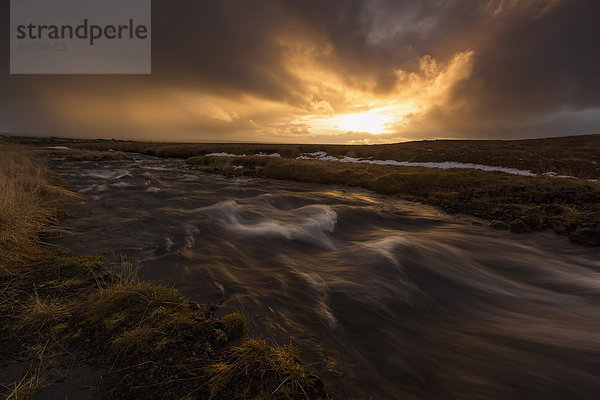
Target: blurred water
pixel 388 299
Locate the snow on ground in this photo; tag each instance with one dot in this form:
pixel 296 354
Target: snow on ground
pixel 58 147
pixel 322 156
pixel 224 155
pixel 276 155
pixel 555 175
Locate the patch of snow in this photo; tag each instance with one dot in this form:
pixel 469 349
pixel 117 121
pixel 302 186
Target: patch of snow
pixel 238 167
pixel 58 147
pixel 316 154
pixel 224 155
pixel 261 154
pixel 555 175
pixel 322 156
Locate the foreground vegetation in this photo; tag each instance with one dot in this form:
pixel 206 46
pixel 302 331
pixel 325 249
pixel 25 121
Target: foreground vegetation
pixel 522 204
pixel 71 324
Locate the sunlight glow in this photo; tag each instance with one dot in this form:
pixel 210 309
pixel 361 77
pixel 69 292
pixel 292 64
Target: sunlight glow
pixel 376 121
pixel 371 122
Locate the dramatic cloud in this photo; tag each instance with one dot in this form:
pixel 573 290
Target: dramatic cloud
pixel 343 71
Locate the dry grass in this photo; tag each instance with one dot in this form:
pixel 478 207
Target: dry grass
pixel 30 198
pixel 137 340
pixel 121 274
pixel 273 372
pixel 41 314
pixel 235 325
pixel 23 389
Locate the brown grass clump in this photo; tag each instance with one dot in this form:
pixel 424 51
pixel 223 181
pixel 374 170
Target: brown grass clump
pixel 30 198
pixel 235 325
pixel 42 313
pixel 256 367
pixel 133 302
pixel 134 341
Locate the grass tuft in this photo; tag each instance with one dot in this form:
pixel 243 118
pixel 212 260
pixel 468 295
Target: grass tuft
pixel 235 325
pixel 30 198
pixel 272 372
pixel 42 313
pixel 133 341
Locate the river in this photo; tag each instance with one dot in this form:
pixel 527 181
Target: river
pixel 385 298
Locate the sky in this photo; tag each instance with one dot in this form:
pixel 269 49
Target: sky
pixel 332 71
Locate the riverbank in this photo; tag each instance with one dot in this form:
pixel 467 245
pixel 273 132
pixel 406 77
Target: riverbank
pixel 77 327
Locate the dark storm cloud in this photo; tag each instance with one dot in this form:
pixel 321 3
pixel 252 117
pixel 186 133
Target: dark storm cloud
pixel 533 61
pixel 530 62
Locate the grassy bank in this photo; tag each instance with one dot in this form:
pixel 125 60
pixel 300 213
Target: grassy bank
pixel 30 198
pixel 522 204
pixel 74 325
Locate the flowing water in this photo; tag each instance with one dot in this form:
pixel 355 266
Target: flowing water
pixel 386 299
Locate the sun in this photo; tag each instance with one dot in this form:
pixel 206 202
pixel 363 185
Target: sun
pixel 381 119
pixel 370 122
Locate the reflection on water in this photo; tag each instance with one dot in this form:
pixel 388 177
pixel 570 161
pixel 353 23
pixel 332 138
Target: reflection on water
pixel 389 299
